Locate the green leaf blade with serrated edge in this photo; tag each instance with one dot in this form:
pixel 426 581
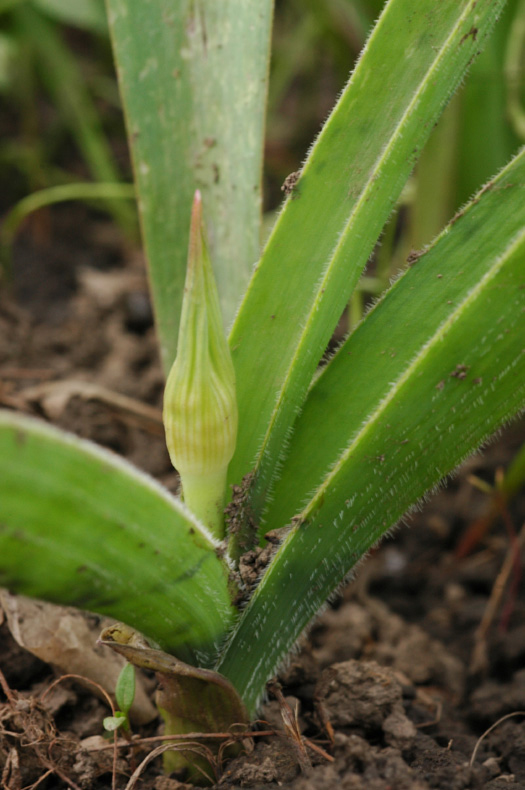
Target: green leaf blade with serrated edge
pixel 326 232
pixel 193 78
pixel 81 527
pixel 465 380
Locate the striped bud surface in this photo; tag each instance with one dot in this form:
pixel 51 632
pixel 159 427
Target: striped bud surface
pixel 200 408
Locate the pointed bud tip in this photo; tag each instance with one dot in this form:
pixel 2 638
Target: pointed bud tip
pixel 196 212
pixel 196 229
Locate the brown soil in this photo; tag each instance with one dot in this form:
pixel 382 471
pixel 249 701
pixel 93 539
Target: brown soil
pixel 394 684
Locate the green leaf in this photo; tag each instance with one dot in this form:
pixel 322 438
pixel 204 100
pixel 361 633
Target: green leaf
pixel 82 527
pixel 193 82
pixel 125 688
pixel 112 723
pixel 433 370
pixel 415 58
pixel 365 372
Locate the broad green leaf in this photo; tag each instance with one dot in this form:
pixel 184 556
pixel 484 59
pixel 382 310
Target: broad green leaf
pixel 82 527
pixel 432 371
pixel 193 82
pixel 415 58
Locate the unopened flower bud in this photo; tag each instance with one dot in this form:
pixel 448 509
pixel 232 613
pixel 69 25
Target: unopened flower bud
pixel 200 408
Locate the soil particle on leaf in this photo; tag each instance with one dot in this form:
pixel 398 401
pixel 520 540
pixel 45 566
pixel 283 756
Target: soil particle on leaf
pixel 289 186
pixel 460 372
pixel 252 565
pixel 414 256
pixel 240 520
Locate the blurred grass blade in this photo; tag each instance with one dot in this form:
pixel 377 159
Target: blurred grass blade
pixel 193 80
pixel 59 70
pixel 483 106
pixel 415 58
pixel 84 14
pixel 515 477
pixel 433 203
pixel 515 71
pixel 58 194
pixel 499 498
pixel 432 371
pixel 80 526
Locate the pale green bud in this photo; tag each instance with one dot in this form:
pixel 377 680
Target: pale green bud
pixel 200 408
